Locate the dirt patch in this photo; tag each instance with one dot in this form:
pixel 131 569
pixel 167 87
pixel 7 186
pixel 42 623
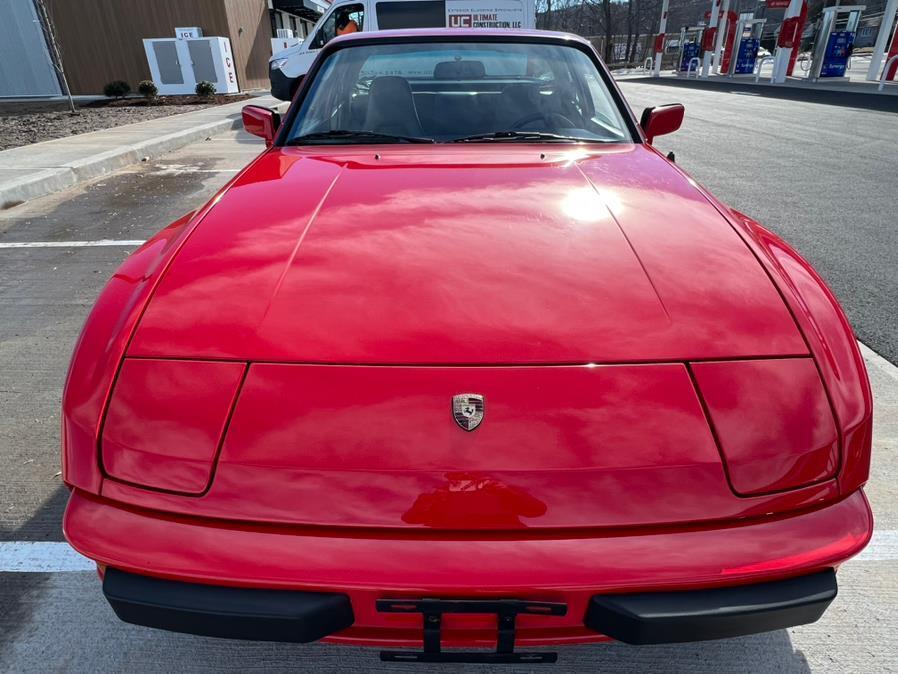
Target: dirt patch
pixel 217 99
pixel 26 123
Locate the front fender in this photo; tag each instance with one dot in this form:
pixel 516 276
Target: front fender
pixel 99 351
pixel 104 339
pixel 830 339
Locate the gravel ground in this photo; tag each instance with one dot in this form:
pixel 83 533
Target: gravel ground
pixel 25 123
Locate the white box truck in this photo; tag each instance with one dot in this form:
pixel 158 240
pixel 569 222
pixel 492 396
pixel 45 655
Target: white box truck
pixel 286 68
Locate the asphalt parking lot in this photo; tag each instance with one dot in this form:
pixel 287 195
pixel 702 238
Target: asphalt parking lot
pixel 817 173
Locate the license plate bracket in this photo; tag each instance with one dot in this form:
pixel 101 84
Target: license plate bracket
pixel 506 611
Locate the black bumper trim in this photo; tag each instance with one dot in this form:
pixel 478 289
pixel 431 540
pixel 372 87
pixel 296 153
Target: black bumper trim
pixel 229 612
pixel 697 615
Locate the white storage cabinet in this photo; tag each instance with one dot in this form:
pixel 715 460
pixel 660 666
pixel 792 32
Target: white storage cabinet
pixel 176 65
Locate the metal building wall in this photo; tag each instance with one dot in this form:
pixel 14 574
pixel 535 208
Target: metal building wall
pixel 101 40
pixel 25 68
pixel 250 33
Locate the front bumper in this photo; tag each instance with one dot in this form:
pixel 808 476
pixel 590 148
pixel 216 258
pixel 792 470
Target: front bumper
pixel 568 567
pixel 645 618
pixel 282 87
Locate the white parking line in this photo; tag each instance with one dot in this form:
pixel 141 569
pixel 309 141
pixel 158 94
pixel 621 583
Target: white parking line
pixel 883 547
pixel 41 557
pixel 128 243
pixel 878 361
pixel 53 557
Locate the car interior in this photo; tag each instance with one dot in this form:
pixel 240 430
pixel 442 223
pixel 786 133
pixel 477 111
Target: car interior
pixel 458 101
pixel 458 98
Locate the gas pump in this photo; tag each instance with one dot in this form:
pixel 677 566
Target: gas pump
pixel 690 47
pixel 832 48
pixel 744 52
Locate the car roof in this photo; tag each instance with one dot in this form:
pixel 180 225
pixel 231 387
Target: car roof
pixel 454 34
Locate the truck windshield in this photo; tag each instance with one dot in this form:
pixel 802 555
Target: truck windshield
pixel 458 92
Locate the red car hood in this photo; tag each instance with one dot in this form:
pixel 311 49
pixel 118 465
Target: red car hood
pixel 458 258
pixel 465 255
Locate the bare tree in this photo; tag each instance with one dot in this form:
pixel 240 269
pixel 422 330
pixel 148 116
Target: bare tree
pixel 620 29
pixel 646 15
pixel 46 24
pixel 628 49
pixel 609 31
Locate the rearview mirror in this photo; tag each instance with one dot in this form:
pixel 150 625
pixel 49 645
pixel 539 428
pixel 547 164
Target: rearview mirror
pixel 261 122
pixel 661 120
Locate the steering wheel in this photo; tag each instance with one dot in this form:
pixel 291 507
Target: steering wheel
pixel 550 119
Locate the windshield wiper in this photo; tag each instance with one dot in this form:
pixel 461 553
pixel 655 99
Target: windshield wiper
pixel 516 136
pixel 346 136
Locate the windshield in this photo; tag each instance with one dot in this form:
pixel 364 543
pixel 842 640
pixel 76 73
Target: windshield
pixel 458 92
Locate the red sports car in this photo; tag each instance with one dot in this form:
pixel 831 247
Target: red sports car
pixel 461 360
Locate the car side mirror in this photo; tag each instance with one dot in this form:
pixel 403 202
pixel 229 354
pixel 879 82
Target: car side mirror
pixel 661 120
pixel 261 122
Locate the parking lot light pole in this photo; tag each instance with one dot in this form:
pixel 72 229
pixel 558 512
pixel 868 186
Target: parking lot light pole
pixel 659 40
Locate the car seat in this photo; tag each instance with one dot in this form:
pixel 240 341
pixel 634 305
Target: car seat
pixel 391 108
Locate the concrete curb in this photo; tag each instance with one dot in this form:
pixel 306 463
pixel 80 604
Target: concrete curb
pixel 43 181
pixel 847 87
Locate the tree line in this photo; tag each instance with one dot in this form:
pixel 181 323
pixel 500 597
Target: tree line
pixel 618 24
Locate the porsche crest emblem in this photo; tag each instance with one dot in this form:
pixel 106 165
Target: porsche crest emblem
pixel 467 410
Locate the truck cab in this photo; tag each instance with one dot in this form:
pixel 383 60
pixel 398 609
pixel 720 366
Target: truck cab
pixel 286 68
